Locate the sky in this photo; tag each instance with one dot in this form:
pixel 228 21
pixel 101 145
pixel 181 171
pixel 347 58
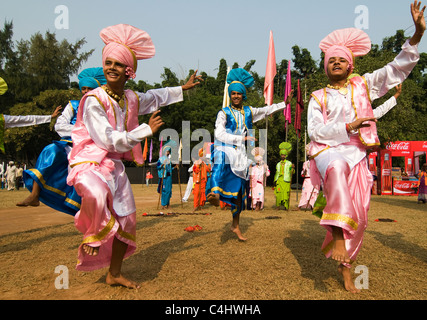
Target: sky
pixel 191 34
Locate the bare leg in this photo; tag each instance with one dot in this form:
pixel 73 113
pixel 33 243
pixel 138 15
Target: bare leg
pixel 339 252
pixel 114 276
pixel 33 198
pixel 235 227
pixel 348 281
pixel 236 220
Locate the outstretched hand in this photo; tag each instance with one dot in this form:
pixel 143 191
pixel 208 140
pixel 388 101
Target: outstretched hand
pixel 57 112
pixel 155 122
pixel 289 97
pixel 419 21
pixel 191 82
pixel 398 90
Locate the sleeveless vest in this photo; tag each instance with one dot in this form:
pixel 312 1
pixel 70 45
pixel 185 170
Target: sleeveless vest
pixel 361 103
pixel 231 125
pixel 85 150
pixel 232 121
pixel 287 175
pixel 75 105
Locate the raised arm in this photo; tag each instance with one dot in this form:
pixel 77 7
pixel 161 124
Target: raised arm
pixel 419 22
pixel 382 80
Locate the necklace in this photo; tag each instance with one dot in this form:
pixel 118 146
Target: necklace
pixel 120 100
pixel 241 110
pixel 343 90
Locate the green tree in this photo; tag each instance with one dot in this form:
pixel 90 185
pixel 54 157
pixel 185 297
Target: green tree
pixel 39 64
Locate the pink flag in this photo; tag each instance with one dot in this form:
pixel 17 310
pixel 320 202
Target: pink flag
pixel 151 150
pixel 288 88
pixel 161 147
pixel 270 73
pixel 298 111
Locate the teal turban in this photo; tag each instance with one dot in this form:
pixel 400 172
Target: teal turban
pixel 92 78
pixel 239 80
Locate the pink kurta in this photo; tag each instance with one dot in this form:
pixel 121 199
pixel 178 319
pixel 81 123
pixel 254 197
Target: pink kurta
pixel 309 192
pixel 339 158
pixel 257 184
pixel 103 135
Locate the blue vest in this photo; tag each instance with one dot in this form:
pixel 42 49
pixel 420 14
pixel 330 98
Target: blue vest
pixel 231 124
pixel 75 105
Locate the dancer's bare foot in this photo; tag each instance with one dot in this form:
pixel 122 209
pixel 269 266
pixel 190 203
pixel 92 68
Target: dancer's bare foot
pixel 339 252
pixel 121 281
pixel 213 199
pixel 348 281
pixel 29 201
pixel 92 251
pixel 237 231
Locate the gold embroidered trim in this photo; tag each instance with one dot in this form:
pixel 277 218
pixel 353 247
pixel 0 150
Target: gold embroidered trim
pixel 101 235
pixel 340 218
pixel 224 192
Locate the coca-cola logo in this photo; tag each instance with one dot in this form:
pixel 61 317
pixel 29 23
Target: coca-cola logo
pixel 403 185
pixel 400 146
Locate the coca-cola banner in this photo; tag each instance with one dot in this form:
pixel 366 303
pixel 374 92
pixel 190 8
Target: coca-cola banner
pixel 419 146
pixel 405 187
pixel 400 148
pixel 406 148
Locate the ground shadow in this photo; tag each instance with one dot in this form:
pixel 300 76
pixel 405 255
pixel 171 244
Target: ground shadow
pixel 397 242
pixel 146 264
pixel 23 245
pixel 305 246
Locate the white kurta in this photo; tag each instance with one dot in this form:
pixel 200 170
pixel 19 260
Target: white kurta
pixel 340 110
pixel 63 126
pixel 25 121
pixel 119 140
pixel 237 156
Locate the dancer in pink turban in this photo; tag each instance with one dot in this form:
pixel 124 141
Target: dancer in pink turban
pixel 106 132
pixel 342 126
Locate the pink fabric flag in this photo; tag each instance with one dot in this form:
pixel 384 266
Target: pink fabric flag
pixel 151 150
pixel 288 88
pixel 298 111
pixel 270 73
pixel 161 147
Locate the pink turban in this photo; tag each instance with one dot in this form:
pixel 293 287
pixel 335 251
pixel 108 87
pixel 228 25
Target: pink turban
pixel 126 44
pixel 345 43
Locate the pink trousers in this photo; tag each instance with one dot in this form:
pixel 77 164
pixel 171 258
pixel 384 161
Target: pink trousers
pixel 348 194
pixel 99 223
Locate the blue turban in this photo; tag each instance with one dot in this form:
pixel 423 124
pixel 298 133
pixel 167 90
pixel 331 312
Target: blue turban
pixel 92 78
pixel 239 80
